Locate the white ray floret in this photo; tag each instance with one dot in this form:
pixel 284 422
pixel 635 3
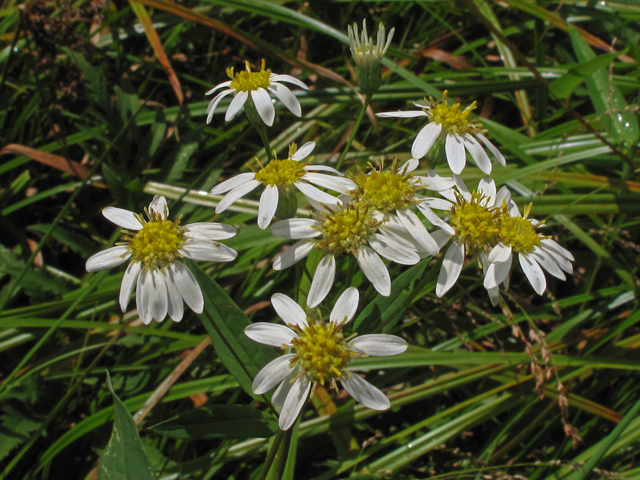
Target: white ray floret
pixel 320 355
pixel 281 178
pixel 258 86
pixel 153 248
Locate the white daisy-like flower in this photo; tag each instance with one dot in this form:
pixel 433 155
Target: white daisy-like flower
pixel 278 178
pixel 535 251
pixel 395 189
pixel 457 131
pixel 365 53
pixel 473 227
pixel 319 354
pixel 259 85
pixel 154 247
pixel 351 228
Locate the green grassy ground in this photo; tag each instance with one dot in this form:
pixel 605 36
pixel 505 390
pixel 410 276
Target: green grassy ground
pixel 102 104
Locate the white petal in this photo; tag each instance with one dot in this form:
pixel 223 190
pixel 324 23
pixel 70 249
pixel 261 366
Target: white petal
pixel 264 105
pixel 122 218
pixel 548 262
pixel 232 183
pixel 534 273
pixel 441 237
pixel 285 96
pixel 374 269
pixel 289 311
pixel 158 287
pixel 280 395
pixel 345 307
pixel 159 206
pixel 497 273
pixel 418 231
pixel 270 334
pixel 176 304
pixel 294 402
pixel 236 104
pixel 304 151
pixel 236 194
pixel 553 245
pixel 288 79
pixel 129 281
pixel 409 166
pixel 272 374
pixel 219 86
pixel 487 187
pixel 210 231
pixel 496 153
pixel 392 250
pixel 312 193
pixel 503 195
pixel 296 228
pixel 437 203
pixel 562 262
pixel 378 345
pixel 494 295
pixel 322 280
pixel 462 188
pixel 500 253
pixel 402 114
pixel 364 392
pixel 478 154
pixel 268 205
pixel 111 257
pixel 323 168
pixel 425 139
pixel 435 219
pixel 188 286
pixel 451 268
pixel 293 254
pixel 435 182
pixel 211 108
pixel 456 156
pixel 143 297
pixel 337 184
pixel 207 251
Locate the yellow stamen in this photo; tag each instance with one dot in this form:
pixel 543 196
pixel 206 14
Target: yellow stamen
pixel 452 119
pixel 247 81
pixel 282 173
pixel 518 232
pixel 475 224
pixel 386 190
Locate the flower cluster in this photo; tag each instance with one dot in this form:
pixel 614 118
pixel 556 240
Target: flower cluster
pixel 382 213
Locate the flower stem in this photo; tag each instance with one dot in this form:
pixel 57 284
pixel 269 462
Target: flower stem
pixel 363 110
pixel 257 123
pixel 271 455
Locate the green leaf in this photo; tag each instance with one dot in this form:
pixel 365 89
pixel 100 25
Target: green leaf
pixel 219 422
pixel 15 429
pixel 124 457
pixel 68 237
pixel 384 312
pixel 565 85
pixel 225 324
pixel 620 122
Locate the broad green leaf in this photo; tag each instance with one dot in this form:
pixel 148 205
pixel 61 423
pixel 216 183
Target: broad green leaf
pixel 564 86
pixel 225 324
pixel 384 312
pixel 219 422
pixel 124 458
pixel 620 122
pixel 15 429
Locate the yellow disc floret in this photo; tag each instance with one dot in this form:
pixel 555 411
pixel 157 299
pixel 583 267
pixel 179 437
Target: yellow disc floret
pixel 247 81
pixel 321 351
pixel 347 227
pixel 386 190
pixel 518 232
pixel 476 225
pixel 282 173
pixel 452 119
pixel 157 243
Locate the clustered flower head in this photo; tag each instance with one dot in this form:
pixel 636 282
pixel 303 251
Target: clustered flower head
pixel 380 214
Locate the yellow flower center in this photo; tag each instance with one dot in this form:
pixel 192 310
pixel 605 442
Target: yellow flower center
pixel 347 227
pixel 247 81
pixel 157 243
pixel 475 224
pixel 321 351
pixel 518 232
pixel 281 173
pixel 452 119
pixel 386 190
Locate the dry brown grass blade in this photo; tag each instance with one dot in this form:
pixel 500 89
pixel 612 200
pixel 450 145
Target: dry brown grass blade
pixel 244 37
pixel 158 49
pixel 55 161
pixel 454 61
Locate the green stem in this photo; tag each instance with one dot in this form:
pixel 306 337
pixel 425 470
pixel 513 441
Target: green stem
pixel 271 455
pixel 257 123
pixel 363 110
